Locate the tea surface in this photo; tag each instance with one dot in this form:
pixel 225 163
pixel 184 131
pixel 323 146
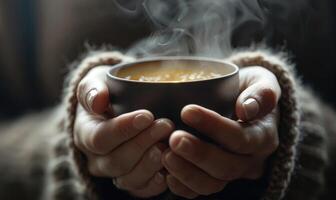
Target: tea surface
pixel 171 72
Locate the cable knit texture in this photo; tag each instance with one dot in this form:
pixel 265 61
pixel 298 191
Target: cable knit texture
pixel 297 136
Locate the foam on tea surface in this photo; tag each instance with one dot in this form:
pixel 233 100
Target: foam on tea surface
pixel 173 71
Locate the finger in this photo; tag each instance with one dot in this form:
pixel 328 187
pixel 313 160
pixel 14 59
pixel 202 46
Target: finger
pixel 260 93
pixel 149 165
pixel 104 136
pixel 242 138
pixel 123 159
pixel 154 187
pixel 213 160
pixel 223 131
pixel 256 168
pixel 191 176
pixel 92 91
pixel 179 189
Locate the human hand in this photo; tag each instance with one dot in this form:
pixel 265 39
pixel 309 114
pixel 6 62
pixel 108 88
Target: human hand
pixel 199 168
pixel 125 148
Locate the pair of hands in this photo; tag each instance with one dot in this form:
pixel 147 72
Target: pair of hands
pixel 130 148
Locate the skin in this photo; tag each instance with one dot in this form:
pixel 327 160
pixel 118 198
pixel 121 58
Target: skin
pixel 129 147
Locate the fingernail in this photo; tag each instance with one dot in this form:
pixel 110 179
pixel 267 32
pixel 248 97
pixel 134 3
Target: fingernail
pixel 155 155
pixel 159 178
pixel 193 116
pixel 90 97
pixel 251 108
pixel 161 128
pixel 184 145
pixel 142 121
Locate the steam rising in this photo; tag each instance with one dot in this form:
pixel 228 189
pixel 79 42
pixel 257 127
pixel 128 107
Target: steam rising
pixel 195 27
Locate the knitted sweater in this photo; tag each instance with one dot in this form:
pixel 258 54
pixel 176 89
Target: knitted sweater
pixel 303 161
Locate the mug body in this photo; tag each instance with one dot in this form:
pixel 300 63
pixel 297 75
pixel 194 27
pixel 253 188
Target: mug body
pixel 166 99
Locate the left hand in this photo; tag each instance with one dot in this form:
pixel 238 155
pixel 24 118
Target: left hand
pixel 126 148
pixel 199 168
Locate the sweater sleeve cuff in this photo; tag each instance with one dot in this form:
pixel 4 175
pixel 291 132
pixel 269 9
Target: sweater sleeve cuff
pixel 283 162
pixel 80 184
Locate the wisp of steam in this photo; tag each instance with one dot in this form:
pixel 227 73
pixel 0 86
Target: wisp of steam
pixel 194 27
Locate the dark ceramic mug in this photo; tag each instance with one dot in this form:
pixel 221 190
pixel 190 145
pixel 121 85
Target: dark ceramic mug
pixel 166 99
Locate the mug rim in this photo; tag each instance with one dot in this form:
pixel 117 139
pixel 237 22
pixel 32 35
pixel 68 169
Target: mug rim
pixel 172 58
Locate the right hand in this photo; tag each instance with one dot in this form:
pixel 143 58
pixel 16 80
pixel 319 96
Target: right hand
pixel 125 148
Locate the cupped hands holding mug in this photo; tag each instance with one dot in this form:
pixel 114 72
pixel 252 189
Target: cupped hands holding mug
pixel 131 150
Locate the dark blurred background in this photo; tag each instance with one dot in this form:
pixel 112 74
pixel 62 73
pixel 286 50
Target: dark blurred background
pixel 40 38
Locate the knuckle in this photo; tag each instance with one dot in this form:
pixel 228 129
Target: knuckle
pixel 85 135
pixel 152 162
pixel 95 143
pixel 124 131
pixel 96 139
pixel 243 145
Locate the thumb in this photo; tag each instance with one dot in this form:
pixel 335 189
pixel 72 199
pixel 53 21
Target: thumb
pixel 93 95
pixel 256 101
